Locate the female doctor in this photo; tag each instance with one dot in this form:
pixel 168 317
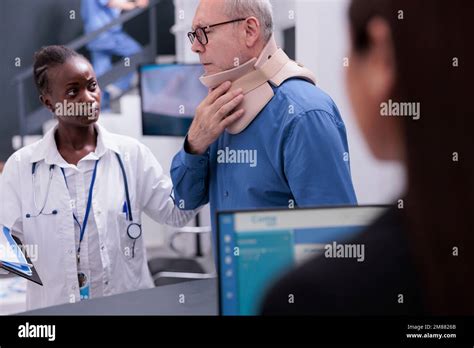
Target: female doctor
pixel 78 193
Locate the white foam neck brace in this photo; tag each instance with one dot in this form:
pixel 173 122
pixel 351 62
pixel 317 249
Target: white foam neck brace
pixel 272 66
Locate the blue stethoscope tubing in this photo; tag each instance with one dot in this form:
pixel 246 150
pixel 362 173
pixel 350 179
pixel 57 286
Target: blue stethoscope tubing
pixel 134 230
pixel 33 175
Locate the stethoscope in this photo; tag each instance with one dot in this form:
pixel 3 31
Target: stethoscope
pixel 134 230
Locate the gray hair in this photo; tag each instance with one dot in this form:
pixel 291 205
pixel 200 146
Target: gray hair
pixel 260 9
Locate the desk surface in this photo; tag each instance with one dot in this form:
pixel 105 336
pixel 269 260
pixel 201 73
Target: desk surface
pixel 200 298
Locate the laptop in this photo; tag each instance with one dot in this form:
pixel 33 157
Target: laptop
pixel 256 247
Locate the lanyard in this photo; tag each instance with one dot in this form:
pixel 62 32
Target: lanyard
pixel 88 209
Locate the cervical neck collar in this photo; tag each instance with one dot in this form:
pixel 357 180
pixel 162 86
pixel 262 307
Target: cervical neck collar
pixel 254 77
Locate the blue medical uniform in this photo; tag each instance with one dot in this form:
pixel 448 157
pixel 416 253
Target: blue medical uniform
pixel 114 42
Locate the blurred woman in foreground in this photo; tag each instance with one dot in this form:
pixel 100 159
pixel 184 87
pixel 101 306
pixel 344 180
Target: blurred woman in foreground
pixel 410 55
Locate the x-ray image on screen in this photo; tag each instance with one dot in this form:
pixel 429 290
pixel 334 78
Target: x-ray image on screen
pixel 170 94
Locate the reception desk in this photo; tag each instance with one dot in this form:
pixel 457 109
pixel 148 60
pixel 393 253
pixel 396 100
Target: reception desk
pixel 197 297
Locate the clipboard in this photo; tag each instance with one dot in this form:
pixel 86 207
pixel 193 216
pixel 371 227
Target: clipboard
pixel 34 277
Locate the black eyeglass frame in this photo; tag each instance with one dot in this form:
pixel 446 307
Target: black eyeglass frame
pixel 192 35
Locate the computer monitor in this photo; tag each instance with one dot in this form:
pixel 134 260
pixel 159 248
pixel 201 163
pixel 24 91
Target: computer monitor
pixel 256 247
pixel 170 94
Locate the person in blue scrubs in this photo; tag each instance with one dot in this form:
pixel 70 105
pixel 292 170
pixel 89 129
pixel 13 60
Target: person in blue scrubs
pixel 114 42
pixel 299 138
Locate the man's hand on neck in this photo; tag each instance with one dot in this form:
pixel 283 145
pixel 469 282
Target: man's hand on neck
pixel 213 116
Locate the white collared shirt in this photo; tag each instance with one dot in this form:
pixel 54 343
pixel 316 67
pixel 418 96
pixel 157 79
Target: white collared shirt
pixel 107 247
pixel 79 179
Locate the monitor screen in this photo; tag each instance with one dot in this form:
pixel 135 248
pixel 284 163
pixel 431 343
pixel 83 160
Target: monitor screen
pixel 170 94
pixel 255 248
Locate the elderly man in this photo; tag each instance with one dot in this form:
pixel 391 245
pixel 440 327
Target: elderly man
pixel 283 146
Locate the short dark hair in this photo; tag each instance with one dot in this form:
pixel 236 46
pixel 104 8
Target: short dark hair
pixel 47 57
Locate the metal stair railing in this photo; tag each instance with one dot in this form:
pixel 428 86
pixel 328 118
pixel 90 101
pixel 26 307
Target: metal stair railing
pixel 33 121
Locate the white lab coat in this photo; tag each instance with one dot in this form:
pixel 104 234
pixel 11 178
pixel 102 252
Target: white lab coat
pixel 56 263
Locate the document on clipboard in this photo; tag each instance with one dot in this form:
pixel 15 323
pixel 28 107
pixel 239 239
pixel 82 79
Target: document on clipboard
pixel 13 259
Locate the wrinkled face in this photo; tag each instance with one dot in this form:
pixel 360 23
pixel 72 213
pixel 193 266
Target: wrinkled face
pixel 226 47
pixel 74 93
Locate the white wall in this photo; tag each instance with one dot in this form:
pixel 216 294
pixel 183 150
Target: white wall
pixel 184 14
pixel 322 42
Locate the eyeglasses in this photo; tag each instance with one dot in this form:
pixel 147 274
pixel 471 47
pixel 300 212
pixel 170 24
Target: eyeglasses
pixel 201 35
